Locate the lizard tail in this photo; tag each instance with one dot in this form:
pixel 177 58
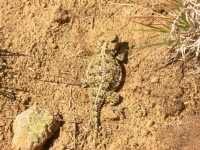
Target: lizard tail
pixel 96 119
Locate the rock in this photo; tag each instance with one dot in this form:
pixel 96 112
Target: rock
pixel 155 80
pixel 54 46
pixel 44 5
pixel 51 40
pixel 33 127
pixel 150 123
pixel 2 123
pixel 1 138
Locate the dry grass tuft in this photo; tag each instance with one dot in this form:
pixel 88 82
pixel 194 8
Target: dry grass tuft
pixel 185 29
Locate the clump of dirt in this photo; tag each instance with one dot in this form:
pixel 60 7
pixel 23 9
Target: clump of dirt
pixel 44 50
pixel 60 15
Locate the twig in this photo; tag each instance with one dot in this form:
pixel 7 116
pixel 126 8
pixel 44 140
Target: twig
pixel 51 2
pixel 7 117
pixel 71 98
pixel 75 129
pixel 75 133
pixel 120 4
pixel 64 44
pixel 85 133
pixel 38 3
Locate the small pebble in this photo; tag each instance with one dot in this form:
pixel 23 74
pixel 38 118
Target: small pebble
pixel 155 80
pixel 150 123
pixel 51 40
pixel 2 123
pixel 54 46
pixel 44 5
pixel 1 137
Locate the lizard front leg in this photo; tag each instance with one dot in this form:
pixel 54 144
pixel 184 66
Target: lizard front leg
pixel 121 54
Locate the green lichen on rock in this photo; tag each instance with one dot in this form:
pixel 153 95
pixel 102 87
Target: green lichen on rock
pixel 39 121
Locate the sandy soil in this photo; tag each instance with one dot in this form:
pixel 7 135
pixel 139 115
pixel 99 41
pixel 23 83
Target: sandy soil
pixel 45 47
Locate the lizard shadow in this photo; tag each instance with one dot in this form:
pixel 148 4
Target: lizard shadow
pixel 123 46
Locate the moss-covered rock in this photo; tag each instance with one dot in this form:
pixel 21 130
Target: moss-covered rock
pixel 33 127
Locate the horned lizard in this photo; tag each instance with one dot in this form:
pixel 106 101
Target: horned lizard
pixel 103 76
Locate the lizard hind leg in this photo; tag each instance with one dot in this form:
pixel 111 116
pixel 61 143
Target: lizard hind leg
pixel 113 97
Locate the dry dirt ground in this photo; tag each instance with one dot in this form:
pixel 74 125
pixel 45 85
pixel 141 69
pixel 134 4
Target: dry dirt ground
pixel 45 46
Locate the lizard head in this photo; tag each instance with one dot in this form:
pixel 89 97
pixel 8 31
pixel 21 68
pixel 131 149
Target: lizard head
pixel 109 45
